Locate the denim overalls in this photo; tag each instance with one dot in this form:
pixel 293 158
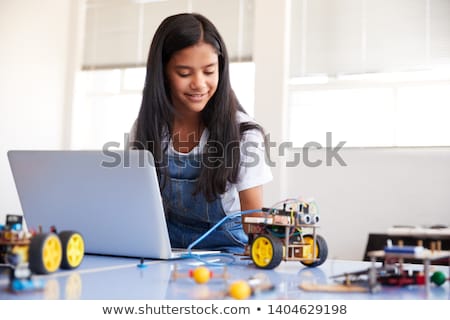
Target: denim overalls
pixel 189 216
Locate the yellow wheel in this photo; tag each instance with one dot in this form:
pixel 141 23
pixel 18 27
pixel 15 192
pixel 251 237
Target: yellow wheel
pixel 45 253
pixel 73 249
pixel 320 249
pixel 266 251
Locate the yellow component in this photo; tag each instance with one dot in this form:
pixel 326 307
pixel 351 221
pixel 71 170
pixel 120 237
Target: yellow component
pixel 52 253
pixel 7 235
pixel 201 274
pixel 308 249
pixel 22 252
pixel 75 250
pixel 262 251
pixel 240 290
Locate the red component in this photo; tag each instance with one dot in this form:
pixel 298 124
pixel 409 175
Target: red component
pixel 420 278
pixel 403 279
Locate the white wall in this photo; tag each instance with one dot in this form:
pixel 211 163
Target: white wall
pixel 377 189
pixel 270 54
pixel 36 63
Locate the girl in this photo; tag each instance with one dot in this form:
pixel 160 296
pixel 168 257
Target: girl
pixel 208 152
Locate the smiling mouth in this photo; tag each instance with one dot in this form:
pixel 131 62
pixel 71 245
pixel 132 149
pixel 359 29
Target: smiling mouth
pixel 196 96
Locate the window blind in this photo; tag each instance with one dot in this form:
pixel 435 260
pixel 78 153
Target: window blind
pixel 335 37
pixel 118 33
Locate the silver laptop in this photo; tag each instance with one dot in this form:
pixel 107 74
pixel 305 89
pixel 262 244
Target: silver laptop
pixel 111 197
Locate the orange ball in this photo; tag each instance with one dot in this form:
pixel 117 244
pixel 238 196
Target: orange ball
pixel 240 290
pixel 201 274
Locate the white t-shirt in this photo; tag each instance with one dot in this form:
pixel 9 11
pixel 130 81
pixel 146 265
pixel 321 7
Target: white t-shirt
pixel 254 170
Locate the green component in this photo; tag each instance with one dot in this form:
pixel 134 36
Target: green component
pixel 438 278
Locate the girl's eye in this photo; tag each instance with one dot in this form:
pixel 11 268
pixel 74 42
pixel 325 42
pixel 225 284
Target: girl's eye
pixel 183 75
pixel 209 72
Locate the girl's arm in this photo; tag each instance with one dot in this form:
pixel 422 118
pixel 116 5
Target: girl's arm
pixel 251 198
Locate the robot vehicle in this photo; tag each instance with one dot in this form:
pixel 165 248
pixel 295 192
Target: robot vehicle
pixel 25 253
pixel 287 234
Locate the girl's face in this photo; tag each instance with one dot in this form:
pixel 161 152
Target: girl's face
pixel 193 75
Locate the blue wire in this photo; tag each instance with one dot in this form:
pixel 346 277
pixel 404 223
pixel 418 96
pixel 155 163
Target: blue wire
pixel 205 258
pixel 202 257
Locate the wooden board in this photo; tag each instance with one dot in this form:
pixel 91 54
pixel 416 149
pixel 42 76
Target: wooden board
pixel 332 287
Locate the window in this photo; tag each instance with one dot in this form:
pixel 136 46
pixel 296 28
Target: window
pixel 117 38
pixel 372 72
pixel 107 104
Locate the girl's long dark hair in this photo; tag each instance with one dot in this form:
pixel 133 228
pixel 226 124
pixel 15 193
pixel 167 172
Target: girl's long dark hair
pixel 221 156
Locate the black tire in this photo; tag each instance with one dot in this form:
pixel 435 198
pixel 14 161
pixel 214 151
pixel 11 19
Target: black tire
pixel 266 251
pixel 321 251
pixel 72 249
pixel 44 253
